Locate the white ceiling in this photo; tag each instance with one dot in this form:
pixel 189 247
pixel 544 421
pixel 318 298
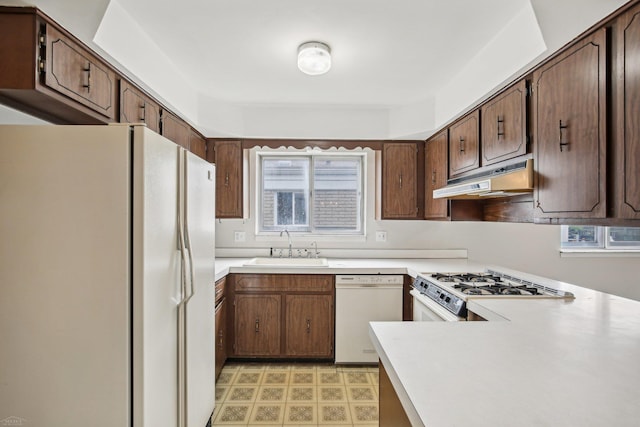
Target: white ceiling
pixel 400 68
pixel 384 52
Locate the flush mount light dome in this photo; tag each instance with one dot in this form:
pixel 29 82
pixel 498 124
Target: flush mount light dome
pixel 314 58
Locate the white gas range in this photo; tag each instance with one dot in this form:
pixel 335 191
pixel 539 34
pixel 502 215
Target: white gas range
pixel 443 296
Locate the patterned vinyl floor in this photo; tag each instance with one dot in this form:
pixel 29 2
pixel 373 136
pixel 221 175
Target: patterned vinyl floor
pixel 296 395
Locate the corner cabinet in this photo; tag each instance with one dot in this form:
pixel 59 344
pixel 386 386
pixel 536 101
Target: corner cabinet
pixel 504 125
pixel 400 180
pixel 464 148
pixel 228 160
pixel 435 173
pixel 570 132
pixel 626 141
pixel 283 316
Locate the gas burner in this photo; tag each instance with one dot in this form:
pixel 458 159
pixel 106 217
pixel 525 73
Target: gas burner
pixel 518 290
pixel 469 289
pixel 489 284
pixel 465 278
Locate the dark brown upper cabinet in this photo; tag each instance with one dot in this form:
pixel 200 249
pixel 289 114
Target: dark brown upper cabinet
pixel 74 72
pixel 174 129
pixel 435 173
pixel 48 73
pixel 198 145
pixel 504 125
pixel 626 125
pixel 464 145
pixel 570 130
pixel 228 159
pixel 136 107
pixel 400 180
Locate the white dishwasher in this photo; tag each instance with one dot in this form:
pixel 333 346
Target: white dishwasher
pixel 360 299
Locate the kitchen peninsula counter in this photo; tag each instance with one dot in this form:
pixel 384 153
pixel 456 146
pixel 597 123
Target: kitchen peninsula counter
pixel 536 362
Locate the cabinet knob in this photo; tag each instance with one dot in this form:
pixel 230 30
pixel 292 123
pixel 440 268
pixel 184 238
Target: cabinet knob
pixel 226 179
pixel 308 326
pixel 257 325
pixel 461 144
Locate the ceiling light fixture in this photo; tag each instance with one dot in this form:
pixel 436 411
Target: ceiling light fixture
pixel 314 58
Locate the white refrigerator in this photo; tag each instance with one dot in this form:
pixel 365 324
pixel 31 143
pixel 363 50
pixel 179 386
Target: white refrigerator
pixel 106 279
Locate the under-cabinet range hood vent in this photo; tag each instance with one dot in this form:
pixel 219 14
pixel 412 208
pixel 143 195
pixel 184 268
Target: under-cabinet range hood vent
pixel 504 181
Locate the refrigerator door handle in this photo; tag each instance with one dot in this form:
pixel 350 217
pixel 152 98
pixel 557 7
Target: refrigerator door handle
pixel 185 182
pixel 181 235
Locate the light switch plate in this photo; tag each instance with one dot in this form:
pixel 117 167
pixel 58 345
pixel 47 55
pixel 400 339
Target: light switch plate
pixel 381 236
pixel 239 236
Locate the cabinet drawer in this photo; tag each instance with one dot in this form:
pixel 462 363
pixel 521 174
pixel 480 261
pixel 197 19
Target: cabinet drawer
pixel 255 283
pixel 220 285
pixel 284 283
pixel 310 283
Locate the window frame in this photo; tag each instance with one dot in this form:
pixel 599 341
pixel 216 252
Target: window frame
pixel 311 155
pixel 601 245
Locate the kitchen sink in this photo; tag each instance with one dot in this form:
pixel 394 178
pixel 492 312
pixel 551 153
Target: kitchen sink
pixel 286 262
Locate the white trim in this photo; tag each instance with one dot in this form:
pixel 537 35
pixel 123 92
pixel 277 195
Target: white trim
pixel 599 253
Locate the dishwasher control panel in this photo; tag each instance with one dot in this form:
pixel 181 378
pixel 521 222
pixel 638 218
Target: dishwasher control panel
pixel 369 279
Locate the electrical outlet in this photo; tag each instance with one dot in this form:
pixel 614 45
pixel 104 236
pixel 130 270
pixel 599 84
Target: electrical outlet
pixel 381 236
pixel 239 236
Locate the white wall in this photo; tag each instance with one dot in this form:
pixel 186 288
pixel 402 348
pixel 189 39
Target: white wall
pixel 126 42
pixel 515 46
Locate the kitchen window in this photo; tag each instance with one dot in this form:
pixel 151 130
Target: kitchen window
pixel 318 193
pixel 588 238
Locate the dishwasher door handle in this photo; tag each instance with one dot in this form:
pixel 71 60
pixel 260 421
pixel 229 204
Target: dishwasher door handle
pixel 363 286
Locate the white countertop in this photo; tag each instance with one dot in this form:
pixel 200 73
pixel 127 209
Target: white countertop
pixel 551 363
pixel 412 267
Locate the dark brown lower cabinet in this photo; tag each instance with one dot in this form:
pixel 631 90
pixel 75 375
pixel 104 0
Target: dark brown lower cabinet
pixel 282 316
pixel 392 413
pixel 309 325
pixel 257 325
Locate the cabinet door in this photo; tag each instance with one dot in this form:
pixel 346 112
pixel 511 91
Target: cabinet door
pixel 135 107
pixel 399 180
pixel 175 129
pixel 626 146
pixel 570 132
pixel 257 325
pixel 228 179
pixel 198 145
pixel 220 337
pixel 463 144
pixel 435 173
pixel 309 325
pixel 504 130
pixel 75 73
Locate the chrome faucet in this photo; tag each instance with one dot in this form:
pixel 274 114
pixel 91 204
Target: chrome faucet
pixel 288 237
pixel 315 249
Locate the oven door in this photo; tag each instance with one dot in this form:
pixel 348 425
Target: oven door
pixel 427 310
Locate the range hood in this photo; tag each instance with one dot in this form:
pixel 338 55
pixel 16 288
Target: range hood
pixel 504 181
